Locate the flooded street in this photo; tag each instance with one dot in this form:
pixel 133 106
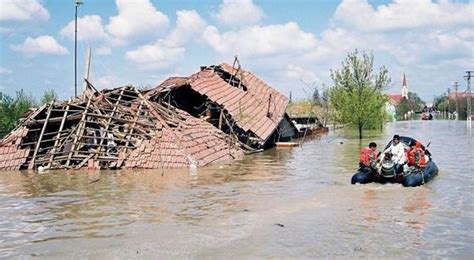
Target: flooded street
pixel 292 202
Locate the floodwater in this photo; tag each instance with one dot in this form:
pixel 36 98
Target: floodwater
pixel 283 203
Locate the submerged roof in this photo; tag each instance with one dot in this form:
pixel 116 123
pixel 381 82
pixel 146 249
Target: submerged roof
pixel 113 129
pixel 253 104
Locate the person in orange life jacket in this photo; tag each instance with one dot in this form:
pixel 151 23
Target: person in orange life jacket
pixel 368 158
pixel 416 155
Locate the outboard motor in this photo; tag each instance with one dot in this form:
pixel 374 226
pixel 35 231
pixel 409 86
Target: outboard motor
pixel 388 172
pixel 388 168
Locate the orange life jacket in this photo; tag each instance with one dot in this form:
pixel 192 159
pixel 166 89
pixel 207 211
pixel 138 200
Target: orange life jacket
pixel 367 156
pixel 416 157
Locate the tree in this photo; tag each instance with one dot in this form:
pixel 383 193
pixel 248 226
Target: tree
pixel 412 103
pixel 316 97
pixel 357 92
pixel 48 96
pixel 12 109
pixel 325 115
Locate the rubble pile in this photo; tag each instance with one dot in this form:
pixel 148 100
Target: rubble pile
pixel 118 128
pixel 215 115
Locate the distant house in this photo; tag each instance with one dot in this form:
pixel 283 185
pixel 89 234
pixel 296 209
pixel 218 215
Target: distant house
pixel 454 95
pixel 395 99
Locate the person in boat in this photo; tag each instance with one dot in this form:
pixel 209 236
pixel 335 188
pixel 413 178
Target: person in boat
pixel 397 152
pixel 368 158
pixel 416 156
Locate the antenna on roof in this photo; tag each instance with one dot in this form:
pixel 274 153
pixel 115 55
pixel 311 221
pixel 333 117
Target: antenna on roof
pixel 87 69
pixel 237 71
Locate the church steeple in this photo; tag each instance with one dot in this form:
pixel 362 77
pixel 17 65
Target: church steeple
pixel 404 87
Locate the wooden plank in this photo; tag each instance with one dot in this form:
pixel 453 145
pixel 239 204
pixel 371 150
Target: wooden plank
pixel 99 150
pixel 133 126
pixel 48 114
pixel 79 130
pixel 59 134
pixel 52 120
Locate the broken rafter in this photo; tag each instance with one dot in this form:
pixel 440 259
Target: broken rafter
pixel 99 150
pixel 59 134
pixel 79 131
pixel 48 114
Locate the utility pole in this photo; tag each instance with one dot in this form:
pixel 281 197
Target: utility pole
pixel 456 85
pixel 469 96
pixel 449 108
pixel 77 3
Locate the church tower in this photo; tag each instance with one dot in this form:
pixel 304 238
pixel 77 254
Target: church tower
pixel 404 87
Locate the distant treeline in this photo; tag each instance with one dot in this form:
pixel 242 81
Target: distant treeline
pixel 13 108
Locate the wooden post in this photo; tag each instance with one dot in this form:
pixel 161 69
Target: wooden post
pixel 79 130
pixel 220 119
pixel 59 134
pixel 48 114
pixel 87 69
pixel 99 148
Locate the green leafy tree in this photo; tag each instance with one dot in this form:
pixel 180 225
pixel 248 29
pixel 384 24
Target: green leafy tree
pixel 12 109
pixel 412 103
pixel 441 103
pixel 48 96
pixel 357 92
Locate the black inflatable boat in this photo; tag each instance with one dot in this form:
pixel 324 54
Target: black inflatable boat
pixel 407 177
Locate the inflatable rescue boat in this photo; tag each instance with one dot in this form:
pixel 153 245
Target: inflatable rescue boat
pixel 407 176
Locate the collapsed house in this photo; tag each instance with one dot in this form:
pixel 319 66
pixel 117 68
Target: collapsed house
pixel 215 115
pixel 118 128
pixel 234 101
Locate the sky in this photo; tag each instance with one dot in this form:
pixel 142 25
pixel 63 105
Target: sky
pixel 291 45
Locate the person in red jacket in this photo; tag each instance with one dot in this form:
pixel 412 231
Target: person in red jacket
pixel 368 158
pixel 416 155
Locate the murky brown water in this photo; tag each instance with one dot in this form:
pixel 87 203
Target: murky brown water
pixel 233 210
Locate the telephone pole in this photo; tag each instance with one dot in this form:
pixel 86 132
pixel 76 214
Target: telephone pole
pixel 456 85
pixel 77 3
pixel 468 96
pixel 449 107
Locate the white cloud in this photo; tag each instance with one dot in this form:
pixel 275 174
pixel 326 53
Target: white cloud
pixel 402 14
pixel 168 51
pixel 89 28
pixel 106 81
pixel 239 12
pixel 188 26
pixel 296 72
pixel 15 10
pixel 44 44
pixel 261 40
pixel 5 71
pixel 156 56
pixel 136 18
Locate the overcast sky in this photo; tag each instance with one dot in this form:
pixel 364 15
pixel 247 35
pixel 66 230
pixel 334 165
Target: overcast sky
pixel 286 43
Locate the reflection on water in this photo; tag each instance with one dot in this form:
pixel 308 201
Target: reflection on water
pixel 233 210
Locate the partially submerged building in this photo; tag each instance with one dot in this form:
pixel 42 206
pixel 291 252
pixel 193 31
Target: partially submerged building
pixel 214 115
pixel 234 101
pixel 118 128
